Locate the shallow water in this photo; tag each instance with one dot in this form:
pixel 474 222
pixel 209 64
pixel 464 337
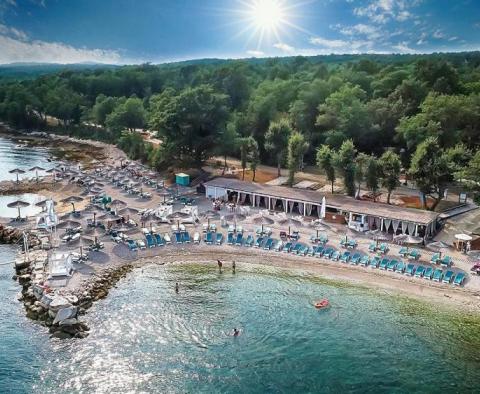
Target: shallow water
pixel 146 338
pixel 16 155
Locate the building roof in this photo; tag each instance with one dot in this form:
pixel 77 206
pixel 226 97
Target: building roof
pixel 337 201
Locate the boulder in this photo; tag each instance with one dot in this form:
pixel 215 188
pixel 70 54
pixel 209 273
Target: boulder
pixel 65 314
pixel 58 303
pixel 61 335
pixel 68 322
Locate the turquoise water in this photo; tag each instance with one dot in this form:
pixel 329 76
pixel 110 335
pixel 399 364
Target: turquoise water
pixel 147 338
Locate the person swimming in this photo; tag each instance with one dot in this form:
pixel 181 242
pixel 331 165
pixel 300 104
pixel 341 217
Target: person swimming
pixel 220 265
pixel 177 288
pixel 236 332
pixel 233 266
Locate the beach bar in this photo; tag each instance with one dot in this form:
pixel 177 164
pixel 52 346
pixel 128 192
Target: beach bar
pixel 356 214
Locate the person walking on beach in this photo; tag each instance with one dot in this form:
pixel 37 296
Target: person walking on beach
pixel 220 265
pixel 177 289
pixel 233 266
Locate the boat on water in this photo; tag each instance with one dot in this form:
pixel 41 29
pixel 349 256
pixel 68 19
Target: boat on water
pixel 322 304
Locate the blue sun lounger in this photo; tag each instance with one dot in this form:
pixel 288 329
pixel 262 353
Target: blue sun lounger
pixel 410 269
pixel 414 254
pixel 249 241
pixel 365 260
pixel 209 238
pixel 303 250
pixel 230 239
pixel 319 251
pixel 438 275
pixel 391 265
pixel 287 247
pixel 403 251
pixel 400 267
pixel 372 247
pixel 159 240
pixel 312 250
pixel 131 244
pixel 239 241
pixel 428 274
pixel 374 262
pixel 259 242
pixel 345 257
pixel 459 279
pixel 355 258
pixel 419 271
pixel 435 258
pixel 186 237
pixel 296 248
pixel 219 239
pixel 327 253
pixel 447 261
pixel 268 245
pixel 335 255
pixel 323 239
pixel 384 263
pixel 383 248
pixel 448 277
pixel 178 238
pixel 150 241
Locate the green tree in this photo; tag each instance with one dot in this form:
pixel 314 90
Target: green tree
pixel 361 163
pixel 431 170
pixel 276 140
pixel 469 176
pixel 326 161
pixel 345 161
pixel 193 121
pixel 244 144
pixel 297 146
pixel 129 115
pixel 389 169
pixel 103 107
pixel 228 143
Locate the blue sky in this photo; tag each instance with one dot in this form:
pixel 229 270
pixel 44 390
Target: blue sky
pixel 129 31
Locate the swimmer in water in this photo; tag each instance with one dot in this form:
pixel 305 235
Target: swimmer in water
pixel 176 288
pixel 220 265
pixel 233 266
pixel 236 332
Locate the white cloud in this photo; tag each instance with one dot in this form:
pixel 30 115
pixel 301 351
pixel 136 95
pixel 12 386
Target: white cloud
pixel 438 34
pixel 382 11
pixel 403 47
pixel 284 47
pixel 323 42
pixel 12 32
pixel 372 32
pixel 18 50
pixel 453 38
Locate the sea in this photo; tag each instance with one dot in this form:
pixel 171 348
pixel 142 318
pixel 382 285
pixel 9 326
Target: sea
pixel 146 338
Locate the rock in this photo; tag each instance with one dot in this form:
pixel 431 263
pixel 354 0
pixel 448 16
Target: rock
pixel 61 335
pixel 72 299
pixel 68 322
pixel 24 279
pixel 58 303
pixel 65 314
pixel 81 335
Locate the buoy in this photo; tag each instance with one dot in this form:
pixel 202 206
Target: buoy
pixel 322 304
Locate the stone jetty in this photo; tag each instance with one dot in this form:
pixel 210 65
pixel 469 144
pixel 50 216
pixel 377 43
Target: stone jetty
pixel 60 309
pixel 13 235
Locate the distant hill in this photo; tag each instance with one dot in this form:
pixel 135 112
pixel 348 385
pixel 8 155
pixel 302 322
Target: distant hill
pixel 22 71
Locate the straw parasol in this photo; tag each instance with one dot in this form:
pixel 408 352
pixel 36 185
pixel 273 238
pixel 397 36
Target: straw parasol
pixel 288 221
pixel 17 171
pixel 110 217
pixel 128 212
pixel 118 204
pixel 72 200
pixel 80 243
pixel 18 204
pixel 43 204
pixel 68 225
pixel 96 232
pixel 36 169
pixel 263 220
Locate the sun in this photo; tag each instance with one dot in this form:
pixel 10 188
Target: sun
pixel 267 14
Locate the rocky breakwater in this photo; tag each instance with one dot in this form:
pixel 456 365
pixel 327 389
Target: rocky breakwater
pixel 12 235
pixel 60 309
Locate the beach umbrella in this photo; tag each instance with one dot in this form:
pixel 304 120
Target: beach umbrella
pixel 118 204
pixel 69 225
pixel 128 212
pixel 290 222
pixel 43 204
pixel 96 232
pixel 81 243
pixel 18 204
pixel 463 237
pixel 110 217
pixel 263 220
pixel 36 169
pixel 72 200
pixel 94 208
pixel 164 194
pixel 52 171
pixel 411 240
pixel 438 246
pixel 178 215
pixel 17 171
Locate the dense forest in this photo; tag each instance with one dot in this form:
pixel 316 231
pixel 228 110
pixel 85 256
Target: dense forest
pixel 363 118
